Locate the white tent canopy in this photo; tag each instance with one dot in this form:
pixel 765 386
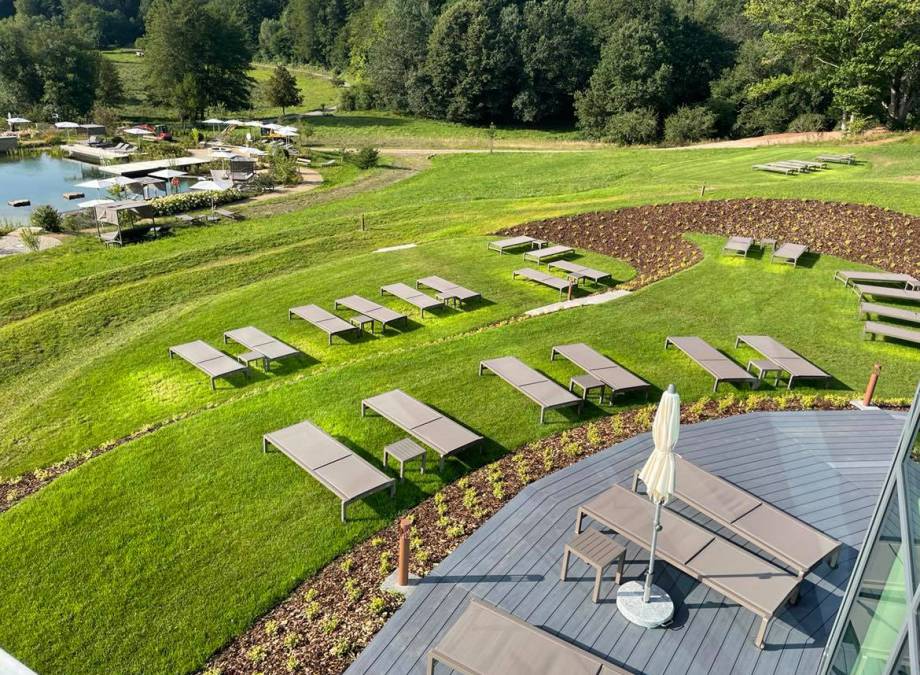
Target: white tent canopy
pixel 67 125
pixel 17 120
pixel 212 185
pixel 255 124
pixel 105 183
pixel 137 131
pixel 92 203
pixel 213 120
pixel 234 123
pixel 168 174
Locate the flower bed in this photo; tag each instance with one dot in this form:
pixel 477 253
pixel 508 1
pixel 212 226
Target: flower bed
pixel 190 201
pixel 333 615
pixel 650 238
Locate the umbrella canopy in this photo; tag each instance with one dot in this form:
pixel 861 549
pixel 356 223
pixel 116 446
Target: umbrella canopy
pixel 223 154
pixel 255 124
pixel 16 120
pixel 93 203
pixel 120 180
pixel 286 132
pixel 213 120
pixel 105 183
pixel 234 123
pixel 272 126
pixel 658 472
pixel 254 152
pixel 212 185
pixel 168 174
pixel 67 125
pixel 137 131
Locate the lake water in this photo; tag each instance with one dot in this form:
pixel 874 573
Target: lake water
pixel 42 179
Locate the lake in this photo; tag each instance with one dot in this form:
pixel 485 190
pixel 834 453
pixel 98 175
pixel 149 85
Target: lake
pixel 42 179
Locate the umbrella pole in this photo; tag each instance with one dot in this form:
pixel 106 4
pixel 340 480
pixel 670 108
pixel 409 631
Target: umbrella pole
pixel 651 558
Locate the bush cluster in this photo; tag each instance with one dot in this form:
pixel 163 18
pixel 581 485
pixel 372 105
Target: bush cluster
pixel 46 217
pixel 190 201
pixel 365 158
pixel 689 124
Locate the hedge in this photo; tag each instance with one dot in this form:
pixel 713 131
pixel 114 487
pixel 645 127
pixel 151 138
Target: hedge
pixel 190 201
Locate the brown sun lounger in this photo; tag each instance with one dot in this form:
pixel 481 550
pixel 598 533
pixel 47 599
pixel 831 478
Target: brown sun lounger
pixel 737 574
pixel 887 292
pixel 260 344
pixel 447 291
pixel 838 159
pixel 738 245
pixel 383 315
pixel 852 277
pixel 875 328
pixel 439 432
pixel 579 272
pixel 541 254
pixel 612 374
pixel 515 242
pixel 212 362
pixel 561 285
pixel 775 168
pixel 486 640
pixel 783 358
pixel 232 215
pixel 323 319
pixel 411 295
pixel 534 385
pixel 888 312
pixel 722 368
pixel 340 470
pixel 797 544
pixel 789 253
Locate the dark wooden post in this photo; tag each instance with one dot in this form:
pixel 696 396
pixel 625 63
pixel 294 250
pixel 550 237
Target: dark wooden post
pixel 870 387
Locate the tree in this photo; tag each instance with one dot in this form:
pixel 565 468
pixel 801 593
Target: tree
pixel 397 51
pixel 281 89
pixel 109 89
pixel 314 26
pixel 866 52
pixel 197 56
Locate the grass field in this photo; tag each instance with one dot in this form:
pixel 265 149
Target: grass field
pixel 152 556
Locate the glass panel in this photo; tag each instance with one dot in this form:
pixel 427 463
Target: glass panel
pixel 902 665
pixel 912 490
pixel 880 606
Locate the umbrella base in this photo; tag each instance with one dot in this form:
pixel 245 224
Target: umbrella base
pixel 657 611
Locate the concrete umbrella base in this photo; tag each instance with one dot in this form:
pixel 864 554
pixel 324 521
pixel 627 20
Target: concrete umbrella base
pixel 657 611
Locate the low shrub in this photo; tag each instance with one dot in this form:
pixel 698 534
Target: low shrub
pixel 689 125
pixel 46 217
pixel 808 122
pixel 282 168
pixel 30 238
pixel 190 201
pixel 633 127
pixel 364 159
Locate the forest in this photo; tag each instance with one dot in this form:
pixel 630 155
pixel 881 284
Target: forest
pixel 625 71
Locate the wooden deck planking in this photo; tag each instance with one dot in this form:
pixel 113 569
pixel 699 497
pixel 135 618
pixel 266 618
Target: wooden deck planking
pixel 825 468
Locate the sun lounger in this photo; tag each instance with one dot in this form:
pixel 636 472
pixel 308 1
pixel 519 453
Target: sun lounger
pixel 232 215
pixel 448 291
pixel 887 292
pixel 774 168
pixel 711 560
pixel 838 159
pixel 579 272
pixel 796 544
pixel 324 320
pixel 439 432
pixel 515 242
pixel 561 285
pixel 413 296
pixel 888 312
pixel 486 640
pixel 613 375
pixel 261 345
pixel 340 470
pixel 541 254
pixel 888 330
pixel 783 358
pixel 806 164
pixel 722 368
pixel 789 253
pixel 212 362
pixel 535 386
pixel 852 277
pixel 383 315
pixel 738 246
pixel 186 218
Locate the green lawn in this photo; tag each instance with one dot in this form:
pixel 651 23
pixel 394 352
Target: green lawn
pixel 148 558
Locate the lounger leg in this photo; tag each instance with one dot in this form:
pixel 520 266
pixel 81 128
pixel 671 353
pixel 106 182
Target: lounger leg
pixel 578 518
pixel 620 565
pixel 565 564
pixel 264 445
pixel 213 388
pixel 441 464
pixel 402 467
pixel 342 512
pixel 597 585
pixel 542 411
pixel 430 670
pixel 834 559
pixel 386 464
pixel 762 633
pixel 635 483
pixel 423 461
pixel 330 339
pixel 715 385
pixel 363 408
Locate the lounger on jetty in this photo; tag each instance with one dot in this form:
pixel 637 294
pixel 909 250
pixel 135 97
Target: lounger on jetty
pixel 534 385
pixel 411 295
pixel 324 320
pixel 341 471
pixel 212 362
pixel 710 359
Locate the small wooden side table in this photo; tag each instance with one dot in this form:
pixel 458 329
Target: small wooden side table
pixel 404 450
pixel 360 320
pixel 587 383
pixel 763 367
pixel 598 550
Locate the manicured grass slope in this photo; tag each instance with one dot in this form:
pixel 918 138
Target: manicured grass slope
pixel 149 558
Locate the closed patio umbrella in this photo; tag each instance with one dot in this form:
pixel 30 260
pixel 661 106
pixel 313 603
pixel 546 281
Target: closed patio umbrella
pixel 653 607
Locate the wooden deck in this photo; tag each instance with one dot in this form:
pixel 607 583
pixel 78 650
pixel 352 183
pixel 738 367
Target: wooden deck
pixel 826 468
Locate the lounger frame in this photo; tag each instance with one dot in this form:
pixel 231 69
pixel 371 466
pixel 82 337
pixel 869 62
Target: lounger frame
pixel 371 310
pixel 447 291
pixel 570 399
pixel 231 365
pixel 260 342
pixel 902 294
pixel 614 377
pixel 414 297
pixel 329 324
pixel 852 277
pixel 738 246
pixel 783 358
pixel 515 242
pixel 874 329
pixel 579 272
pixel 788 253
pixel 544 278
pixel 741 374
pixel 548 253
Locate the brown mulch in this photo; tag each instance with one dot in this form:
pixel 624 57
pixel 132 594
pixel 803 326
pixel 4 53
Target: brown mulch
pixel 332 616
pixel 650 238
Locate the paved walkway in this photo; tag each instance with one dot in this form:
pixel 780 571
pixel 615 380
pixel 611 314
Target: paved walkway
pixel 11 244
pixel 596 299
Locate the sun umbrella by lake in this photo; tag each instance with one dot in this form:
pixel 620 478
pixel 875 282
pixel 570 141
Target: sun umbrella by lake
pixel 212 185
pixel 13 121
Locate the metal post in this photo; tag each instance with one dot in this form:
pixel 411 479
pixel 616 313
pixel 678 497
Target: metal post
pixel 651 557
pixel 402 567
pixel 870 386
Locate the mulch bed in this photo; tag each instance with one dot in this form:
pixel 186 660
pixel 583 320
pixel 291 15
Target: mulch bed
pixel 332 616
pixel 650 238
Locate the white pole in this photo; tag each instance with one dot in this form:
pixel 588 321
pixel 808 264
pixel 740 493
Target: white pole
pixel 651 558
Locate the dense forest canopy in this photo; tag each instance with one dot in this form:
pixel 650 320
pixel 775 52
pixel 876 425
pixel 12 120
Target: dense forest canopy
pixel 623 70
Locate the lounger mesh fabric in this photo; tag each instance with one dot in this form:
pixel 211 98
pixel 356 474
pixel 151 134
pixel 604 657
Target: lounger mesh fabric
pixel 541 278
pixel 381 314
pixel 722 368
pixel 785 537
pixel 579 270
pixel 889 330
pixel 486 640
pixel 739 245
pixel 322 319
pixel 537 387
pixel 889 312
pixel 432 428
pixel 606 370
pixel 541 254
pixel 783 357
pixel 789 253
pixel 213 362
pixel 514 242
pixel 849 277
pixel 447 290
pixel 261 342
pixel 721 565
pixel 887 292
pixel 411 295
pixel 339 469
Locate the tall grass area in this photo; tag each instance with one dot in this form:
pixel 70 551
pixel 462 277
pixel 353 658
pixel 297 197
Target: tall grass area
pixel 149 557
